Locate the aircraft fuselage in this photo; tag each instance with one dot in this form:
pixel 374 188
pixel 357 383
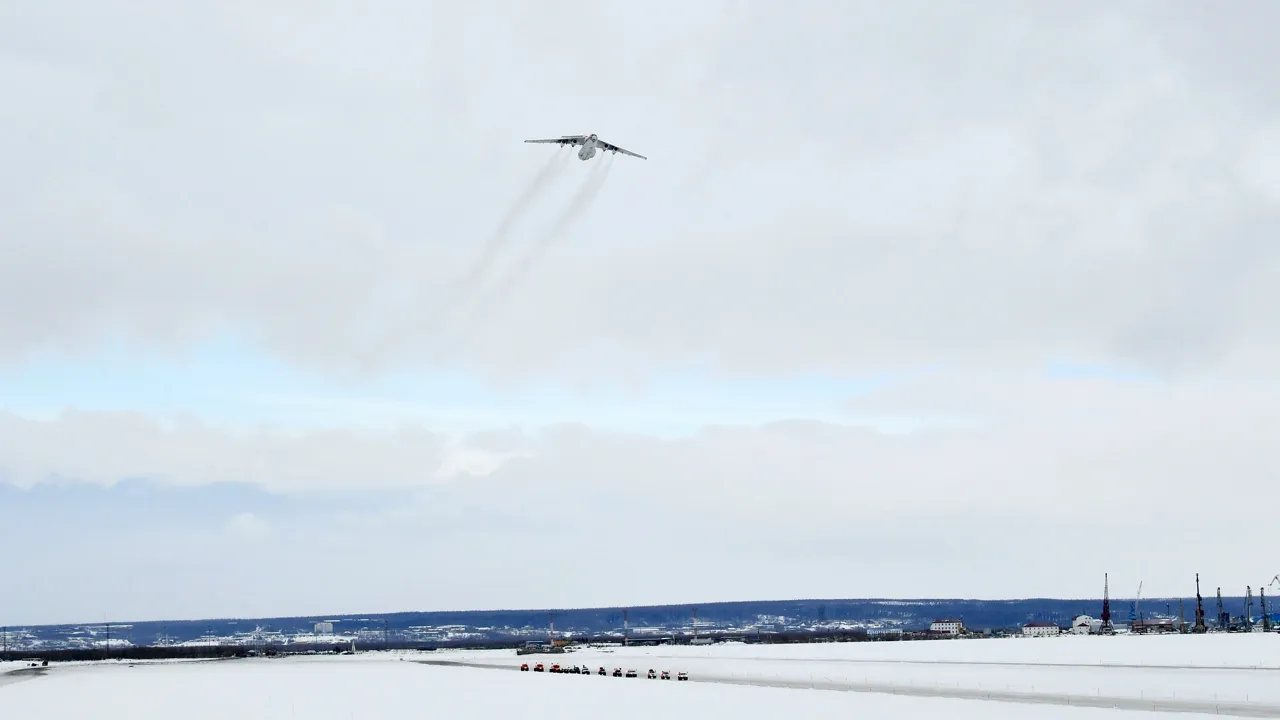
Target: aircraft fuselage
pixel 588 149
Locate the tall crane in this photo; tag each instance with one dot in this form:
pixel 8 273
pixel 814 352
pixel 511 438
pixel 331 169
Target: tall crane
pixel 1224 620
pixel 1135 609
pixel 1266 619
pixel 1200 626
pixel 1107 628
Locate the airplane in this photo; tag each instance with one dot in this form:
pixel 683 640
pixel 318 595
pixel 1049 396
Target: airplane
pixel 589 144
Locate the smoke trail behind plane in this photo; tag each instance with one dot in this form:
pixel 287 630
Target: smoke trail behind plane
pixel 555 165
pixel 463 290
pixel 581 200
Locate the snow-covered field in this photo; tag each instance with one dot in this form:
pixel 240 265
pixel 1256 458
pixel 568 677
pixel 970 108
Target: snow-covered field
pixel 1240 669
pixel 1221 667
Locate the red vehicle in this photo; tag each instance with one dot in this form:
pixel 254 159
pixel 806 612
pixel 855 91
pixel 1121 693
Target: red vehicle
pixel 537 668
pixel 555 668
pixel 524 667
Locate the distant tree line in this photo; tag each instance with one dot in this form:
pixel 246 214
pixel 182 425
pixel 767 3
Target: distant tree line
pixel 228 652
pixel 910 615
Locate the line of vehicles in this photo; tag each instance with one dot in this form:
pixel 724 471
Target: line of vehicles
pixel 617 672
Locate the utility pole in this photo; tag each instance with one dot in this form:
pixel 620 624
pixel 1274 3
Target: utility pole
pixel 1182 618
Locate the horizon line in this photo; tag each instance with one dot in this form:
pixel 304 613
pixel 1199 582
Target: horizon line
pixel 597 608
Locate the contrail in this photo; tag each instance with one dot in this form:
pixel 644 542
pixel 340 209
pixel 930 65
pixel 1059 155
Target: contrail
pixel 581 201
pixel 539 183
pixel 461 288
pixel 502 289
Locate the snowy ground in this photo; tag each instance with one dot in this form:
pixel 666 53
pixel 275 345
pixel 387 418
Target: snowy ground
pixel 1246 667
pixel 1217 667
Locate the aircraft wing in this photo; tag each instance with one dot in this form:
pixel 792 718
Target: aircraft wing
pixel 571 140
pixel 614 148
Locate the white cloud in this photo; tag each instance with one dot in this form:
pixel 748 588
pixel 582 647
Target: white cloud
pixel 106 447
pixel 246 525
pixel 833 186
pixel 1060 482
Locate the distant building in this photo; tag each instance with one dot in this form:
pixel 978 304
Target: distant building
pixel 1085 625
pixel 947 626
pixel 1152 626
pixel 324 628
pixel 1041 629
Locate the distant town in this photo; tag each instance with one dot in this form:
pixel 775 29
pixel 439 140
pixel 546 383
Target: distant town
pixel 762 621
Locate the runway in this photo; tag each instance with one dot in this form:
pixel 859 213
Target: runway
pixel 1208 707
pixel 993 663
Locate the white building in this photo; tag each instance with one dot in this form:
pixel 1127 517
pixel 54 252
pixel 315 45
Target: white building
pixel 1085 625
pixel 1041 629
pixel 324 628
pixel 947 626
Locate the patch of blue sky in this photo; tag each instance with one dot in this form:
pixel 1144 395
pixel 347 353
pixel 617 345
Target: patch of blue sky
pixel 231 383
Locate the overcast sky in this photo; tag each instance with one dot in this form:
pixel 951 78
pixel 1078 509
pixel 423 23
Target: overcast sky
pixel 910 299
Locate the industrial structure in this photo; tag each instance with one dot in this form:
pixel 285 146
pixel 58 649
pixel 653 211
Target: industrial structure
pixel 1152 625
pixel 1107 627
pixel 1225 620
pixel 1200 627
pixel 1085 625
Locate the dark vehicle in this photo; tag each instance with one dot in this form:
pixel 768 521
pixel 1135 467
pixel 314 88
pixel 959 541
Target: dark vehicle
pixel 632 673
pixel 602 672
pixel 682 675
pixel 666 674
pixel 617 672
pixel 652 675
